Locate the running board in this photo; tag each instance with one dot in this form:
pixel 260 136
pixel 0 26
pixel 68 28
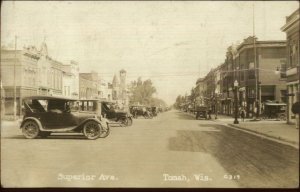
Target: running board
pixel 68 129
pixel 112 122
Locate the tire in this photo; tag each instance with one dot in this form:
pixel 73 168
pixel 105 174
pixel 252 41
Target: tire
pixel 282 117
pixel 92 130
pixel 44 134
pixel 30 129
pixel 124 121
pixel 104 132
pixel 130 121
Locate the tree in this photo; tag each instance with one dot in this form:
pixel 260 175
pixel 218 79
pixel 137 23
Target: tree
pixel 142 91
pixel 179 101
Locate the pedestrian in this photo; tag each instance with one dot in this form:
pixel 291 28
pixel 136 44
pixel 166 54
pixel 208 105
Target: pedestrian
pixel 209 113
pixel 243 113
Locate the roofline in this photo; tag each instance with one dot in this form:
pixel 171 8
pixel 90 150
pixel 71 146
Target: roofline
pixel 49 98
pixel 276 43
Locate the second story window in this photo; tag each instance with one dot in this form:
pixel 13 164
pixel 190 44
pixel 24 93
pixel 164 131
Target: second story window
pixel 293 48
pixel 283 69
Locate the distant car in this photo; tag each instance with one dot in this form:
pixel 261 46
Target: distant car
pixel 202 112
pixel 154 111
pixel 109 111
pixel 274 110
pixel 141 110
pixel 44 115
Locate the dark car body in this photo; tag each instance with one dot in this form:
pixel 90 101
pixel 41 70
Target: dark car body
pixel 109 111
pixel 141 110
pixel 61 115
pixel 154 111
pixel 202 112
pixel 273 110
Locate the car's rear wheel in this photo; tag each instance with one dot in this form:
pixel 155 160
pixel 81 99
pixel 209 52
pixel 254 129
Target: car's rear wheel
pixel 92 130
pixel 129 121
pixel 30 129
pixel 150 116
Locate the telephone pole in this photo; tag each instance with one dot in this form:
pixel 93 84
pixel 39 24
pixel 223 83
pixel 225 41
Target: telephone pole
pixel 15 91
pixel 257 94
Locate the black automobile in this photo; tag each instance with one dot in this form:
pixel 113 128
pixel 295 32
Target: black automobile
pixel 110 111
pixel 44 115
pixel 154 111
pixel 141 110
pixel 202 112
pixel 274 110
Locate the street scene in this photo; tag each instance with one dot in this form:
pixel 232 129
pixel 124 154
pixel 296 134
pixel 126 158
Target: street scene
pixel 172 150
pixel 155 94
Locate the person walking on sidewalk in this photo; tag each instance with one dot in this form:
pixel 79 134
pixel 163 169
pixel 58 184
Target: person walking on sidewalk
pixel 243 114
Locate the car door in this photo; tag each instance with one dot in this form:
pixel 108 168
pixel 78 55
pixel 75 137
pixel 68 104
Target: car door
pixel 47 118
pixel 54 113
pixel 68 118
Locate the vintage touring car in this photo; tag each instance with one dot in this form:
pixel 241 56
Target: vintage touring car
pixel 44 115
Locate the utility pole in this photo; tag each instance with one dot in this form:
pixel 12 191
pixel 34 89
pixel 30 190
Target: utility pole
pixel 15 91
pixel 257 95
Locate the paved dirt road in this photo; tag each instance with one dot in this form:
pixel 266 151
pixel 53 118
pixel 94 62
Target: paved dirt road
pixel 171 150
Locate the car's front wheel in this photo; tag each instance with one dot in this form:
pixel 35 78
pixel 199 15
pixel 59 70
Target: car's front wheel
pixel 30 129
pixel 124 121
pixel 282 117
pixel 104 132
pixel 92 130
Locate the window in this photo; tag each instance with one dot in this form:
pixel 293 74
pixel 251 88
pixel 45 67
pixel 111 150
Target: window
pixel 74 105
pixel 293 49
pixel 282 69
pixel 88 106
pixel 251 74
pixel 37 106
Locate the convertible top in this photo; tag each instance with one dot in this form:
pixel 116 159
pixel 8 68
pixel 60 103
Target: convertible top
pixel 40 97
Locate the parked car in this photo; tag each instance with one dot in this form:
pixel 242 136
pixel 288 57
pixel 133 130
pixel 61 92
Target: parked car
pixel 202 112
pixel 110 111
pixel 273 110
pixel 44 115
pixel 154 111
pixel 140 110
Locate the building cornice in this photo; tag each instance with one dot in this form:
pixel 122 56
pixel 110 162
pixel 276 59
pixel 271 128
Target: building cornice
pixel 290 23
pixel 261 44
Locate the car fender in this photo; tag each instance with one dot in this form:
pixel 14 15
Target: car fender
pixel 34 119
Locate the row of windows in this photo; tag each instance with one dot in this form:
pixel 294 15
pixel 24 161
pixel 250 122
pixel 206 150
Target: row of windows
pixel 293 51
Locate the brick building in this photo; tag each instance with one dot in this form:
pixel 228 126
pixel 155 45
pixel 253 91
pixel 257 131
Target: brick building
pixel 34 73
pixel 89 86
pixel 239 65
pixel 269 86
pixel 291 28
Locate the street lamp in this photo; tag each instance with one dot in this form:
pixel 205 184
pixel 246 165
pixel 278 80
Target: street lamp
pixel 216 104
pixel 236 84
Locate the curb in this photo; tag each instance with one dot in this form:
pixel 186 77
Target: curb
pixel 250 130
pixel 266 135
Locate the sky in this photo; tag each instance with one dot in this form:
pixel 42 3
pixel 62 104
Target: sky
pixel 171 42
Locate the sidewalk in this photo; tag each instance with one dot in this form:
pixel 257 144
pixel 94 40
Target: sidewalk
pixel 278 130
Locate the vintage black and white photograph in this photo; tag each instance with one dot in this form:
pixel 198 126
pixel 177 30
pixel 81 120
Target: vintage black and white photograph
pixel 150 94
